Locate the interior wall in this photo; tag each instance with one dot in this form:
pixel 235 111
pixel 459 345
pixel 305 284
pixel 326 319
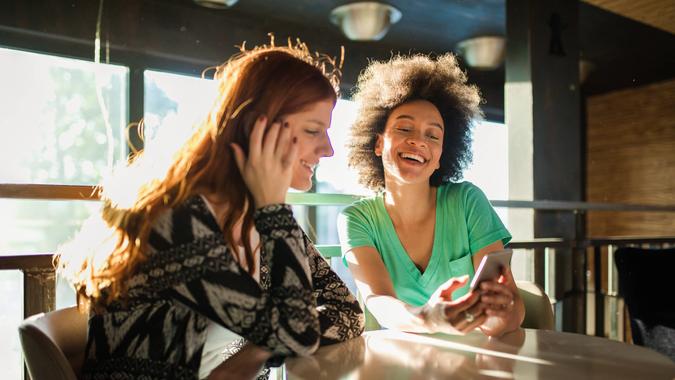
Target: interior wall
pixel 631 159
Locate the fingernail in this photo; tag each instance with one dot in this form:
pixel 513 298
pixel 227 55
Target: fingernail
pixel 285 124
pixel 295 140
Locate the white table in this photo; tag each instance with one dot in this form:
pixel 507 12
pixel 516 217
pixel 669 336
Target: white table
pixel 523 354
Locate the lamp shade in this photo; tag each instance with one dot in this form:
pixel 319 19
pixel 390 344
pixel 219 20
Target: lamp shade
pixel 216 4
pixel 365 21
pixel 483 53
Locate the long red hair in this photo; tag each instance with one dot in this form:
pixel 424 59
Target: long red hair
pixel 269 80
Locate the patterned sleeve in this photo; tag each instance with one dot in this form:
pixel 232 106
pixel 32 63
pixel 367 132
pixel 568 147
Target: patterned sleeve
pixel 283 319
pixel 340 314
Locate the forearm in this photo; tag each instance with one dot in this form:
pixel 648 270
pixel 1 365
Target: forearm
pixel 340 319
pixel 296 325
pixel 393 313
pixel 340 315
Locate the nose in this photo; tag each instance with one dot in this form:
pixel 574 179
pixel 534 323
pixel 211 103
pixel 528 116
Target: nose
pixel 326 148
pixel 416 140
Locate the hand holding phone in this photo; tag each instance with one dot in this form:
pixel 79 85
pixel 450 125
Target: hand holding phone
pixel 490 267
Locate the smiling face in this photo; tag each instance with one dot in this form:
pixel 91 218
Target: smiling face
pixel 412 143
pixel 310 126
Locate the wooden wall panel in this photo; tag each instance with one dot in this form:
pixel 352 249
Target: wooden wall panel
pixel 631 159
pixel 657 13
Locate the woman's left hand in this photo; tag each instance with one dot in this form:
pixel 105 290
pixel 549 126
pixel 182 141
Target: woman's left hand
pixel 268 168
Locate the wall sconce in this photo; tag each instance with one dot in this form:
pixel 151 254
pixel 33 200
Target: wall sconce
pixel 483 53
pixel 216 4
pixel 366 20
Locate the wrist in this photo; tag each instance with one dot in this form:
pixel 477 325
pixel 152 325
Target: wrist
pixel 432 317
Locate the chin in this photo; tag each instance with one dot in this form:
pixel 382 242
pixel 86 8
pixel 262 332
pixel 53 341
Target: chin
pixel 301 185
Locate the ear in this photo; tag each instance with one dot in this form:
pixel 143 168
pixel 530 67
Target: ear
pixel 378 146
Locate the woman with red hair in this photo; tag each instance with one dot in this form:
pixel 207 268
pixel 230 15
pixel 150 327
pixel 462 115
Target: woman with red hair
pixel 207 240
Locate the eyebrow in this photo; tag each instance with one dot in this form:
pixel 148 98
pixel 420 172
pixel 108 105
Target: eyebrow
pixel 408 117
pixel 315 121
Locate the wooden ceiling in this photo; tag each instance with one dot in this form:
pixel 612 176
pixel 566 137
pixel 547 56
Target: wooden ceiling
pixel 657 13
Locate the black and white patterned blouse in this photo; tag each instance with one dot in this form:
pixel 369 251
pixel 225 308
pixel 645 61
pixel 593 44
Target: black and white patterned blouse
pixel 191 279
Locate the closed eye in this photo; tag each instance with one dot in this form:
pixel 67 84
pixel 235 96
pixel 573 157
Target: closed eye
pixel 311 132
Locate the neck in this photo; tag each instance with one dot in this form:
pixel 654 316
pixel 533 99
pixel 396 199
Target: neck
pixel 410 203
pixel 220 208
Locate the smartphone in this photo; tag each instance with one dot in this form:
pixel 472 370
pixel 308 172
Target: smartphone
pixel 491 266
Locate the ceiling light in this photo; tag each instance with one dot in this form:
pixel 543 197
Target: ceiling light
pixel 216 4
pixel 366 20
pixel 483 53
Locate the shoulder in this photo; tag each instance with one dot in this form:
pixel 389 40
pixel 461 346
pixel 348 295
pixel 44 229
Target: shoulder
pixel 183 224
pixel 458 191
pixel 362 208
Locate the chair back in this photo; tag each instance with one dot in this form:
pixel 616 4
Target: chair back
pixel 645 283
pixel 53 344
pixel 538 310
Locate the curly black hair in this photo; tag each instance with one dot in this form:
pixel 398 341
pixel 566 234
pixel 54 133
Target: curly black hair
pixel 383 86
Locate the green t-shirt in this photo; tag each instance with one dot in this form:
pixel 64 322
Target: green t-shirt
pixel 465 223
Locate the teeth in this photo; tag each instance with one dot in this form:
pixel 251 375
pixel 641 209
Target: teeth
pixel 308 165
pixel 413 156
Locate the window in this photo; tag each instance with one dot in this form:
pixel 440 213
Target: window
pixel 64 122
pixel 55 108
pixel 174 102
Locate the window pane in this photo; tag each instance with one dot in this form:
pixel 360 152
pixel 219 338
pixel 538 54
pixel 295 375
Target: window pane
pixel 174 103
pixel 490 167
pixel 332 174
pixel 40 226
pixel 11 315
pixel 53 108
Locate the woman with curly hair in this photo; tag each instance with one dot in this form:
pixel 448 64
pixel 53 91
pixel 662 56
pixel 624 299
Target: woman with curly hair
pixel 414 246
pixel 205 240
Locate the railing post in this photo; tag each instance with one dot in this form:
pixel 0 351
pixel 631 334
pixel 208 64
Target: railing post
pixel 39 295
pixel 579 267
pixel 599 297
pixel 614 318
